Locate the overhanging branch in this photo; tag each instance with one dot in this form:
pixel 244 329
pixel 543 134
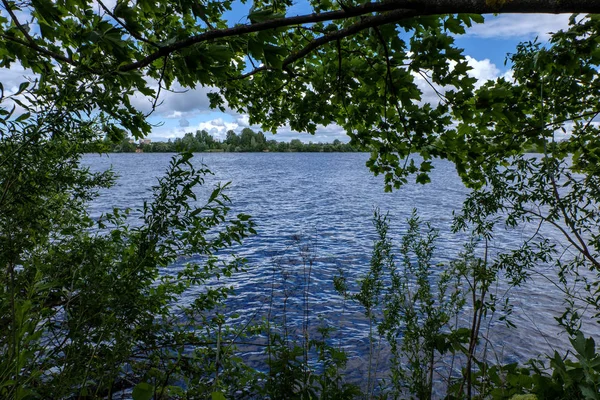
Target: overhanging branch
pixel 403 9
pixel 365 23
pixel 372 15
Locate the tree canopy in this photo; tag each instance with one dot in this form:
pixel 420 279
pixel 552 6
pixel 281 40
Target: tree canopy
pixel 349 63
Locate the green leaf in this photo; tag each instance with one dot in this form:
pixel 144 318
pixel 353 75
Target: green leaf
pixel 264 14
pixel 478 18
pixel 272 56
pixel 217 396
pixel 255 49
pixel 143 391
pixel 214 194
pixel 47 10
pixel 23 117
pixel 220 53
pixel 589 393
pixel 94 36
pixel 423 178
pixel 22 87
pixel 584 347
pixel 453 25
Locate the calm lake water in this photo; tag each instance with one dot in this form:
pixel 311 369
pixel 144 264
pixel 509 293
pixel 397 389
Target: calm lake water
pixel 325 201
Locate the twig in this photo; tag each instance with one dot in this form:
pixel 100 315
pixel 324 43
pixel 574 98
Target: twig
pixel 124 25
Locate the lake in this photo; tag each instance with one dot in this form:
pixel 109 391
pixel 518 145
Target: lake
pixel 319 207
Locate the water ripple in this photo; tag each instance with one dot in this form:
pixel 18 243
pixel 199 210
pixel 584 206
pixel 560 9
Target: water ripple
pixel 327 201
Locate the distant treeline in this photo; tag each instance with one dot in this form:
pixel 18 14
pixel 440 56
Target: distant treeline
pixel 202 141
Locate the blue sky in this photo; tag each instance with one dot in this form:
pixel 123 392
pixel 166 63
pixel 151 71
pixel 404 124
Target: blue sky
pixel 486 46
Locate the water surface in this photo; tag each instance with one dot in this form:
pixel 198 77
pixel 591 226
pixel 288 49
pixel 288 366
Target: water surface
pixel 315 209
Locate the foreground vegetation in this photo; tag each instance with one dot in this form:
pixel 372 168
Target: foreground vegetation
pixel 90 308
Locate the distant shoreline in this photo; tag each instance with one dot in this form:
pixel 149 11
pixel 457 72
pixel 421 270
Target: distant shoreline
pixel 247 141
pixel 224 152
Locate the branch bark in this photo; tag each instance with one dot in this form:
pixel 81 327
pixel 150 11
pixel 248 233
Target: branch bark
pixel 373 14
pixel 385 11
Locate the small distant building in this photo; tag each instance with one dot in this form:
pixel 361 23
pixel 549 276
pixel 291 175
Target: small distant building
pixel 139 150
pixel 145 141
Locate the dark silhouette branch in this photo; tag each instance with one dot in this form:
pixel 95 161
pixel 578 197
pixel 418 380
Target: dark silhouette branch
pixel 30 42
pixel 372 14
pixel 365 23
pixel 401 9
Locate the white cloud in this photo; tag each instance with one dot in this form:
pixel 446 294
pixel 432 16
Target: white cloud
pixel 243 120
pixel 176 102
pixel 12 77
pixel 520 26
pixel 325 134
pixel 428 89
pixel 110 4
pixel 218 128
pixel 482 70
pixel 509 75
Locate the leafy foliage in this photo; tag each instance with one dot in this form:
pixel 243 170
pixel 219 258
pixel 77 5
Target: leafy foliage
pixel 354 64
pixel 89 308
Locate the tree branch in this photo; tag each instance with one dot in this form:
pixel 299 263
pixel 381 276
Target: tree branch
pixel 373 14
pixel 401 9
pixel 124 25
pixel 366 22
pixel 30 41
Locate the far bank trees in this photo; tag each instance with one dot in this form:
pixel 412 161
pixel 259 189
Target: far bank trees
pixel 202 141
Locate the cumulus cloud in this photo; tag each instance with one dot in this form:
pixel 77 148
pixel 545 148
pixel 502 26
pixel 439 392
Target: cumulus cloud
pixel 482 70
pixel 509 75
pixel 520 26
pixel 429 90
pixel 11 78
pixel 325 134
pixel 243 120
pixel 218 128
pixel 175 103
pixel 184 123
pixel 110 4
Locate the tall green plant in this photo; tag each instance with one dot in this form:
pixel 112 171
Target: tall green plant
pixel 552 196
pixel 303 360
pixel 413 311
pixel 90 308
